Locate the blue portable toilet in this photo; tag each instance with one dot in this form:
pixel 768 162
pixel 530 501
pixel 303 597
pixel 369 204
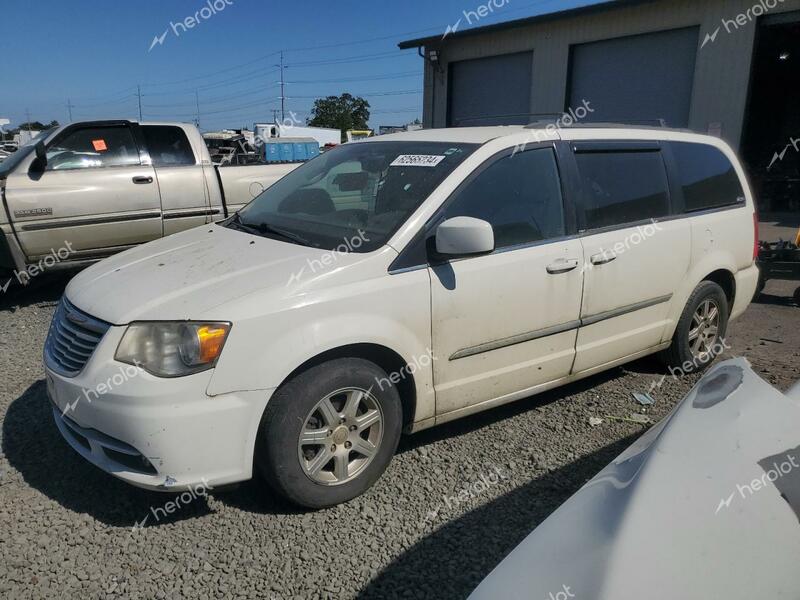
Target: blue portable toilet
pixel 286 150
pixel 291 149
pixel 273 153
pixel 299 149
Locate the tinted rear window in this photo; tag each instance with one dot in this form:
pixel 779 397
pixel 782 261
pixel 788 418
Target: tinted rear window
pixel 707 177
pixel 622 187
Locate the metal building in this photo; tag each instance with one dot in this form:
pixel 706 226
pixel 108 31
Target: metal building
pixel 726 67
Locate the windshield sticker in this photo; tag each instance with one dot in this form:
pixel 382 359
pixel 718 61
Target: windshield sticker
pixel 417 160
pixel 99 145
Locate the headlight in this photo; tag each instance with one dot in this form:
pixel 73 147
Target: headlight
pixel 173 349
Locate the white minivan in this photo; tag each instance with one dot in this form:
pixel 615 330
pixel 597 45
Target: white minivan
pixel 394 284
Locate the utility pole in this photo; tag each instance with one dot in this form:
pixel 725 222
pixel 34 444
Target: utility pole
pixel 70 106
pixel 28 118
pixel 139 94
pixel 283 95
pixel 197 103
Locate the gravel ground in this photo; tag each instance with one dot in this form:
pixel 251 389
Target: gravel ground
pixel 455 500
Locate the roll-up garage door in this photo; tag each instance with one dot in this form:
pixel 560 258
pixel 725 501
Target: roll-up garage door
pixel 490 91
pixel 637 79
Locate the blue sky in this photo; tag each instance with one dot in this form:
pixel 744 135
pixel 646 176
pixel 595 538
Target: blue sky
pixel 95 53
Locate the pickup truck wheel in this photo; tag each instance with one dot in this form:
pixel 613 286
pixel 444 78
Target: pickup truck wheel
pixel 700 334
pixel 328 434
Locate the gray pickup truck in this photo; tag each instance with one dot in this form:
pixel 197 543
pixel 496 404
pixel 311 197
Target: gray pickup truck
pixel 87 190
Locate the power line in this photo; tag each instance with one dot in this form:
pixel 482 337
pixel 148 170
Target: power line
pixel 213 112
pixel 233 68
pixel 400 75
pixel 357 58
pixel 261 90
pixel 242 77
pixel 106 102
pixel 257 74
pixel 365 41
pixel 304 49
pixel 215 99
pixel 128 89
pixel 321 63
pixel 365 95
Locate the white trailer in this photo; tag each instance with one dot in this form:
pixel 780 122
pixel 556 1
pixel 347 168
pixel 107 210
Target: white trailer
pixel 323 135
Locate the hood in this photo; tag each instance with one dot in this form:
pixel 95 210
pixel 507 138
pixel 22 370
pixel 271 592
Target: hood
pixel 186 275
pixel 704 505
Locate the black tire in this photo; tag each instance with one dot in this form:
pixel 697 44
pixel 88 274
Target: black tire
pixel 277 457
pixel 679 355
pixel 797 296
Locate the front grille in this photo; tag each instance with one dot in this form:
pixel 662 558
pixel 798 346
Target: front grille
pixel 72 339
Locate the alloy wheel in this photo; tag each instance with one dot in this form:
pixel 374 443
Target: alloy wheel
pixel 340 436
pixel 704 330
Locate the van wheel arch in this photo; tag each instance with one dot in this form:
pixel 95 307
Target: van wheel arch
pixel 386 358
pixel 724 279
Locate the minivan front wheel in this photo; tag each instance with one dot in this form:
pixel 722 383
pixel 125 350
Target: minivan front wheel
pixel 341 436
pixel 700 335
pixel 328 434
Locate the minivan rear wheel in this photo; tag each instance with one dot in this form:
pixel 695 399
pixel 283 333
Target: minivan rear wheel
pixel 700 334
pixel 328 434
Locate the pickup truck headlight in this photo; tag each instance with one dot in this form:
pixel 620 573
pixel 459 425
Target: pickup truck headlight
pixel 173 349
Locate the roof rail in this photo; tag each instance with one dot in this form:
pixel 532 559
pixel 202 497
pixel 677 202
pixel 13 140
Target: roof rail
pixel 657 123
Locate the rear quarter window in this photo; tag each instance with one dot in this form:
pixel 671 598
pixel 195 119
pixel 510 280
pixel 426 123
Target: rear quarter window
pixel 707 177
pixel 168 146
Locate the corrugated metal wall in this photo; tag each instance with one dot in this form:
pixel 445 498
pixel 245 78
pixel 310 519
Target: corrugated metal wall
pixel 722 69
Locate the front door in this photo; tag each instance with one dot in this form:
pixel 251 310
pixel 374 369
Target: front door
pixel 506 322
pixel 95 196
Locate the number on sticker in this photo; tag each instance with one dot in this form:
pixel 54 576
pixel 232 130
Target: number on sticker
pixel 417 160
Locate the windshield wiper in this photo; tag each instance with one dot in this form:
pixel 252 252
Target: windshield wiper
pixel 237 222
pixel 266 228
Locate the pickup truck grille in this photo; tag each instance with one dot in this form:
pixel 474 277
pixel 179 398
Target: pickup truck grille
pixel 72 339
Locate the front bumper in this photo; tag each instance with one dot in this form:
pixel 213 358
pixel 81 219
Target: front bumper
pixel 155 433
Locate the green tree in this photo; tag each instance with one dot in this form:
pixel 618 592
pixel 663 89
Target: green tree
pixel 340 112
pixel 35 126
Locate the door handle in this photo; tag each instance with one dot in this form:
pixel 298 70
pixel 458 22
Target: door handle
pixel 603 258
pixel 562 265
pixel 141 180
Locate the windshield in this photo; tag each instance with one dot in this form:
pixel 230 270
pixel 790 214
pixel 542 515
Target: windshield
pixel 363 192
pixel 17 157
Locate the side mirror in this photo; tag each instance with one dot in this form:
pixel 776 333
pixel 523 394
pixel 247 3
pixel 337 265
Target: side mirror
pixel 40 162
pixel 461 236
